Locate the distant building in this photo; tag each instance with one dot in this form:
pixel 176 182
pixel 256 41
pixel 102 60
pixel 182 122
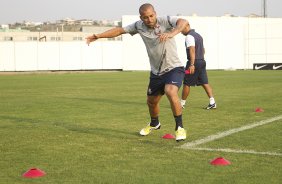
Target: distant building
pixel 95 29
pixel 85 22
pixel 253 15
pixel 32 24
pixel 117 23
pixel 4 26
pixel 39 35
pixel 67 21
pixel 228 15
pixel 9 30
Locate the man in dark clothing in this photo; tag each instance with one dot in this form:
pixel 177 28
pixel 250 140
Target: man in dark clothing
pixel 195 71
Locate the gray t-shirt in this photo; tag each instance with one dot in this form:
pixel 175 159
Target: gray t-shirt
pixel 163 55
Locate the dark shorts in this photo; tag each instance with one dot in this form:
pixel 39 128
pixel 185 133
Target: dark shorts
pixel 157 83
pixel 200 76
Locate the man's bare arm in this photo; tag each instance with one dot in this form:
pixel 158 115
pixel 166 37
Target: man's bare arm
pixel 107 34
pixel 192 52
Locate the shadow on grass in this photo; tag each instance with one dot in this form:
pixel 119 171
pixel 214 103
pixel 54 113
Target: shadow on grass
pixel 111 134
pixel 104 132
pixel 119 102
pixel 110 101
pixel 107 132
pixel 19 119
pixel 72 127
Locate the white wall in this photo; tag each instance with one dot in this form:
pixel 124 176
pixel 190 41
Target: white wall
pixel 42 56
pixel 7 56
pixel 231 43
pixel 263 41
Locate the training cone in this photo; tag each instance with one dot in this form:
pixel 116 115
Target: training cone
pixel 259 109
pixel 168 136
pixel 34 173
pixel 187 72
pixel 220 161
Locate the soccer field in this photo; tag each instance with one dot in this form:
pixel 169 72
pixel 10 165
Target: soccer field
pixel 84 128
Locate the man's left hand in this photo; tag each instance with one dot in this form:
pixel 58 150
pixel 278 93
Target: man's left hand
pixel 192 69
pixel 164 36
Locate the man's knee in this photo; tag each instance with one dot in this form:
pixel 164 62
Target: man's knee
pixel 171 90
pixel 152 101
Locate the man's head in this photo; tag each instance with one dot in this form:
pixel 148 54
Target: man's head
pixel 186 29
pixel 148 15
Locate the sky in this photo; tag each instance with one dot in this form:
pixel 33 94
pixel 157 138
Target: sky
pixel 12 11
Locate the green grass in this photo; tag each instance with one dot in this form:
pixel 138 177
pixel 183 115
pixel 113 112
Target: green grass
pixel 83 128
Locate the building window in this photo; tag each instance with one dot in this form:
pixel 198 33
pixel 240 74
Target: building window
pixel 77 38
pixel 8 38
pixel 30 38
pixel 55 38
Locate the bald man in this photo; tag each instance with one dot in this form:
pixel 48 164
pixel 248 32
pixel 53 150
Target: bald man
pixel 167 71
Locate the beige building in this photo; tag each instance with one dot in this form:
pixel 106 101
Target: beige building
pixel 21 35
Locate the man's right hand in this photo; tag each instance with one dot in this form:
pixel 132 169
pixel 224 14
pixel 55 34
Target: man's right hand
pixel 91 38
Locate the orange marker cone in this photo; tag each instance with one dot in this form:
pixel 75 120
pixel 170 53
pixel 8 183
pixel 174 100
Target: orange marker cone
pixel 168 136
pixel 220 161
pixel 258 109
pixel 34 173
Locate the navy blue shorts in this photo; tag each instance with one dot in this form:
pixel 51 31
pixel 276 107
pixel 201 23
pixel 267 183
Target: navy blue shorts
pixel 200 76
pixel 157 83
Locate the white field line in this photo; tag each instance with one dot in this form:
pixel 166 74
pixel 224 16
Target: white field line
pixel 237 151
pixel 228 132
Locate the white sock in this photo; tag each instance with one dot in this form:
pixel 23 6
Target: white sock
pixel 212 100
pixel 182 102
pixel 178 127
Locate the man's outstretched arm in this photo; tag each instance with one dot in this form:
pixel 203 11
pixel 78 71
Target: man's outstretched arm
pixel 107 34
